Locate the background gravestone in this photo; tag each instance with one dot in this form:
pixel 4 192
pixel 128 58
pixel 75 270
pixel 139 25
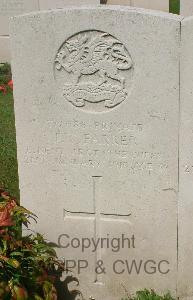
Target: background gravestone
pixel 10 8
pixel 5 55
pixel 119 2
pixel 149 4
pixel 186 7
pixel 152 4
pixel 50 4
pixel 185 219
pixel 97 120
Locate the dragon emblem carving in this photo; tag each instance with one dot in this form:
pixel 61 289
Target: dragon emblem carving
pixel 95 66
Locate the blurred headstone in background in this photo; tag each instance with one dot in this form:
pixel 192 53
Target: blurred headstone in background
pixel 149 4
pixel 186 7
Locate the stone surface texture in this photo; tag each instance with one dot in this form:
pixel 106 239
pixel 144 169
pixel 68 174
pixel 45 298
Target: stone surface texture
pixel 186 7
pixel 5 49
pixel 149 4
pixel 51 4
pixel 119 2
pixel 10 8
pixel 97 120
pixel 152 4
pixel 186 163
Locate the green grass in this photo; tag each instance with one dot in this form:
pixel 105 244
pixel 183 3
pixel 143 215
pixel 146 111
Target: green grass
pixel 150 295
pixel 8 160
pixel 175 6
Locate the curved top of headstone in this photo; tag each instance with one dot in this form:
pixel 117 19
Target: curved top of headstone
pixel 104 8
pixel 89 56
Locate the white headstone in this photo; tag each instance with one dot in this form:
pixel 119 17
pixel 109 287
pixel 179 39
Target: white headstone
pixel 119 2
pixel 186 7
pixel 97 118
pixel 14 7
pixel 10 8
pixel 50 4
pixel 152 4
pixel 149 4
pixel 185 211
pixel 5 55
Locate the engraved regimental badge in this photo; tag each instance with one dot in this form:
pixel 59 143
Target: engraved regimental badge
pixel 94 71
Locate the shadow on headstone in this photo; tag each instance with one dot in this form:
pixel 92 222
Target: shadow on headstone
pixel 63 290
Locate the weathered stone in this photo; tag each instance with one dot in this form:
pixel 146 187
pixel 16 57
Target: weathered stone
pixel 10 8
pixel 186 7
pixel 5 55
pixel 51 4
pixel 14 7
pixel 97 120
pixel 185 220
pixel 119 2
pixel 150 4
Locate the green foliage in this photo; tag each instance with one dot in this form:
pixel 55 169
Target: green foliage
pixel 8 155
pixel 149 295
pixel 29 267
pixel 175 6
pixel 8 159
pixel 5 73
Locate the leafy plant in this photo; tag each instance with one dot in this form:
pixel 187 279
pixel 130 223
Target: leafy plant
pixel 29 268
pixel 5 73
pixel 149 295
pixel 174 6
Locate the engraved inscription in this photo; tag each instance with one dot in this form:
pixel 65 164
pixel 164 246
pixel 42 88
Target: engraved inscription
pixel 94 70
pixel 96 144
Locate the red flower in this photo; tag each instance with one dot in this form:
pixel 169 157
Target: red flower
pixel 5 218
pixel 5 195
pixel 10 84
pixel 3 89
pixel 11 205
pixel 5 214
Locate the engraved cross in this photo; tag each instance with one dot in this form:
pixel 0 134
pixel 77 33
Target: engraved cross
pixel 97 216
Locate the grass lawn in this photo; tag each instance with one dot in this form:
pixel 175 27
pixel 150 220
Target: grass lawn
pixel 8 160
pixel 175 6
